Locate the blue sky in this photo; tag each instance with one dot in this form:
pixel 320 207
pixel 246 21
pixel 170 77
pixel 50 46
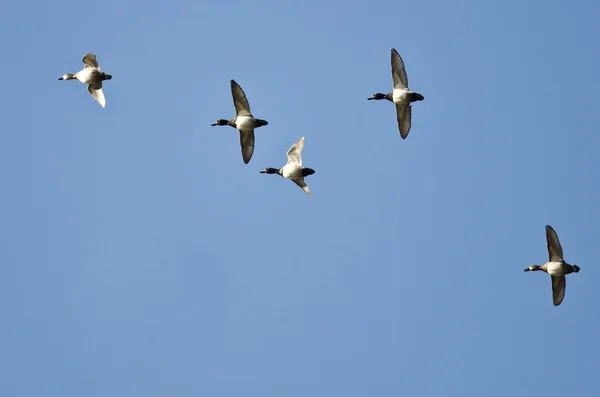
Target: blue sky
pixel 141 257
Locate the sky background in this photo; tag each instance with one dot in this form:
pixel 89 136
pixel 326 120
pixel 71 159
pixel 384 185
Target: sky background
pixel 139 256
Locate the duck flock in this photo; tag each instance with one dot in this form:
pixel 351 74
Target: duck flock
pixel 401 96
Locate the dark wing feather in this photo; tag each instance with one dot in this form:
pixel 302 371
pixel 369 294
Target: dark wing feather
pixel 555 252
pixel 398 71
pixel 90 61
pixel 242 107
pixel 247 143
pixel 559 285
pixel 403 114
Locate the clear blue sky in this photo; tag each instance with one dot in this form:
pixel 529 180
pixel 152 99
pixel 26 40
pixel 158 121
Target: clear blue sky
pixel 140 256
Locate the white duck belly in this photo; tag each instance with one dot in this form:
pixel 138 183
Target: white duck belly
pixel 245 123
pixel 401 97
pixel 88 76
pixel 292 171
pixel 554 269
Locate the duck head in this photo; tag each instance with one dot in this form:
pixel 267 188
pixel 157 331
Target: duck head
pixel 221 122
pixel 67 76
pixel 378 96
pixel 533 268
pixel 575 269
pixel 270 170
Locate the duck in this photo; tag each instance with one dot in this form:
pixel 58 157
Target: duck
pixel 92 76
pixel 244 121
pixel 401 95
pixel 293 169
pixel 556 266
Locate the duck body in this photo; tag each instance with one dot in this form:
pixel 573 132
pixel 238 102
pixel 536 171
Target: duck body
pixel 92 76
pixel 294 171
pixel 405 97
pixel 555 268
pixel 560 268
pixel 244 123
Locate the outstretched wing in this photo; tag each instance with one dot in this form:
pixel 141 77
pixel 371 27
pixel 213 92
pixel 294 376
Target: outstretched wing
pixel 247 143
pixel 559 285
pixel 404 115
pixel 303 186
pixel 90 61
pixel 96 91
pixel 555 252
pixel 398 71
pixel 242 107
pixel 294 155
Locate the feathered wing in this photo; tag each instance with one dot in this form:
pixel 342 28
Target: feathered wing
pixel 247 143
pixel 559 285
pixel 242 107
pixel 555 252
pixel 398 71
pixel 294 155
pixel 90 61
pixel 96 91
pixel 303 186
pixel 404 115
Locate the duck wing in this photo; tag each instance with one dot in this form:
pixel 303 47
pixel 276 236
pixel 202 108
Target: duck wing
pixel 247 143
pixel 559 285
pixel 303 186
pixel 242 107
pixel 398 71
pixel 90 61
pixel 555 251
pixel 96 91
pixel 294 155
pixel 404 116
